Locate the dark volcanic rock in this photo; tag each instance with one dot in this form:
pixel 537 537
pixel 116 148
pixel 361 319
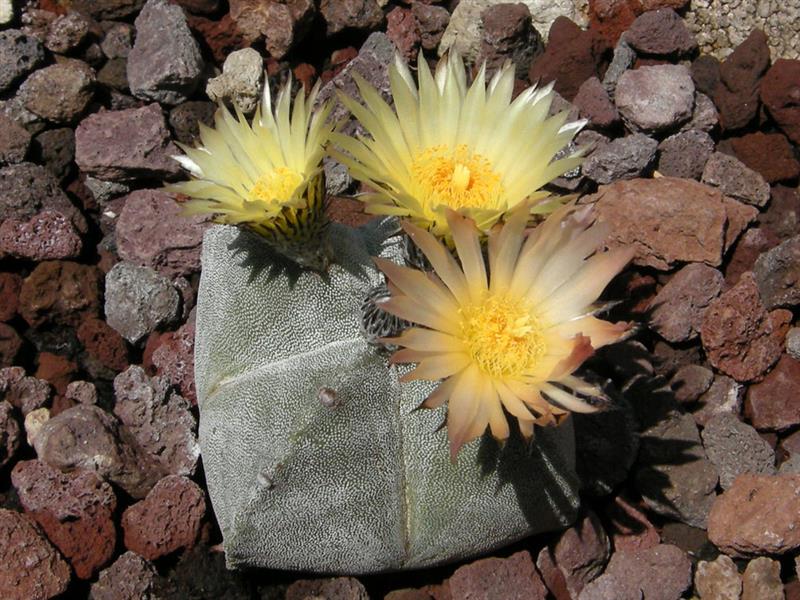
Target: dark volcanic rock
pixel 61 92
pixel 780 90
pixel 341 15
pixel 731 176
pixel 60 292
pixel 655 98
pixel 14 141
pixel 498 578
pixel 771 155
pixel 431 21
pixel 777 274
pixel 346 588
pixel 20 54
pixel 774 404
pixel 663 572
pixel 623 158
pixel 593 102
pixel 735 448
pixel 660 32
pixel 509 34
pixel 685 154
pixel 9 433
pixel 130 578
pixel 736 95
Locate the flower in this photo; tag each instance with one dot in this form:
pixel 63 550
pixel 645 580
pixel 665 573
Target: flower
pixel 509 338
pixel 447 145
pixel 267 174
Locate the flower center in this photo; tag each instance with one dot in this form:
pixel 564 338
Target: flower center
pixel 456 178
pixel 502 335
pixel 275 187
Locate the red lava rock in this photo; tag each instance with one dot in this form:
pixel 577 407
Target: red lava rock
pixel 174 359
pixel 348 212
pixel 103 343
pixel 737 333
pixel 153 232
pixel 24 393
pixel 121 145
pixel 168 519
pixel 81 392
pixel 32 568
pixel 87 437
pixel 757 515
pixel 660 32
pixel 769 154
pixel 777 274
pixel 76 511
pixel 10 345
pixel 782 214
pixel 10 286
pixel 577 558
pixel 341 15
pixel 571 57
pixel 336 588
pixel 401 27
pixel 130 578
pixel 431 21
pixel 45 236
pixel 677 311
pixel 60 292
pixel 669 220
pixel 221 37
pixel 159 420
pixel 508 34
pixel 14 141
pixel 774 403
pixel 594 104
pixel 514 577
pixel 662 572
pixel 752 244
pixel 305 74
pixel 608 586
pixel 629 527
pixel 610 18
pixel 780 93
pixel 9 433
pixel 705 73
pixel 736 95
pixel 57 370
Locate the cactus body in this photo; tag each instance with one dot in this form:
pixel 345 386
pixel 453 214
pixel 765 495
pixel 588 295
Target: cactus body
pixel 314 456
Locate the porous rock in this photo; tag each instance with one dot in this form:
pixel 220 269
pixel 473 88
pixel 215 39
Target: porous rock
pixel 623 158
pixel 685 154
pixel 240 82
pixel 342 15
pixel 777 274
pixel 593 102
pixel 769 154
pixel 23 393
pixel 55 149
pixel 61 92
pixel 779 92
pixel 20 53
pixel 508 34
pixel 774 403
pixel 131 577
pixel 663 572
pixel 723 396
pixel 735 447
pixel 9 433
pixel 174 359
pixel 47 235
pixel 67 32
pixel 60 292
pixel 346 588
pixel 736 180
pixel 718 579
pixel 761 580
pixel 283 24
pixel 431 21
pixel 498 578
pixel 660 32
pixel 655 98
pixel 14 141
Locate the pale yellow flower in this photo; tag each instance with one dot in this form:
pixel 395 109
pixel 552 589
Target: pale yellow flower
pixel 266 174
pixel 450 145
pixel 508 336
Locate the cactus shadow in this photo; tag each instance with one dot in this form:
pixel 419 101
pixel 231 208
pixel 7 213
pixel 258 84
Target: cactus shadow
pixel 260 259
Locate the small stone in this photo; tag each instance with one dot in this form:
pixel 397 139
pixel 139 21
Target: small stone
pixel 60 292
pixel 735 179
pixel 690 382
pixel 753 244
pixel 14 141
pixel 139 301
pixel 20 54
pixel 579 556
pixel 32 568
pixel 33 423
pixel 724 396
pixel 668 220
pixel 61 92
pixel 594 104
pixel 9 433
pixel 103 344
pixel 736 95
pixel 159 420
pixel 82 392
pixel 657 98
pixel 779 92
pixel 735 448
pixel 401 28
pixel 676 312
pixel 623 59
pixel 509 34
pixel 114 75
pixel 762 580
pixel 774 403
pixel 718 579
pixel 10 345
pixel 87 437
pixel 10 286
pixel 675 478
pixel 174 359
pixel 67 32
pixel 663 572
pixel 165 63
pixel 705 73
pixel 777 274
pixel 660 32
pixel 685 154
pixel 130 578
pixel 55 149
pixel 241 80
pixel 335 588
pixel 105 191
pixel 185 119
pixel 609 586
pixel 118 41
pixel 57 370
pixel 76 511
pixel 498 578
pixel 123 145
pixel 168 519
pixel 432 22
pixel 769 154
pixel 358 15
pixel 757 515
pixel 704 116
pixel 737 333
pixel 623 158
pixel 24 393
pixel 47 235
pixel 571 56
pixel 152 232
pixel 793 343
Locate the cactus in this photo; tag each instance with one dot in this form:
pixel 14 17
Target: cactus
pixel 314 455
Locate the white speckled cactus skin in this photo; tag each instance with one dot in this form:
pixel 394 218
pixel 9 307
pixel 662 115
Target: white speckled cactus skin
pixel 364 486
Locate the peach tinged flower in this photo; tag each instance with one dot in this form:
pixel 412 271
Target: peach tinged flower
pixel 508 337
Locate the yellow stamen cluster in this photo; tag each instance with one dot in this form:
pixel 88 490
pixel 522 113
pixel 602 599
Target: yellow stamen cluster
pixel 457 178
pixel 274 187
pixel 502 335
